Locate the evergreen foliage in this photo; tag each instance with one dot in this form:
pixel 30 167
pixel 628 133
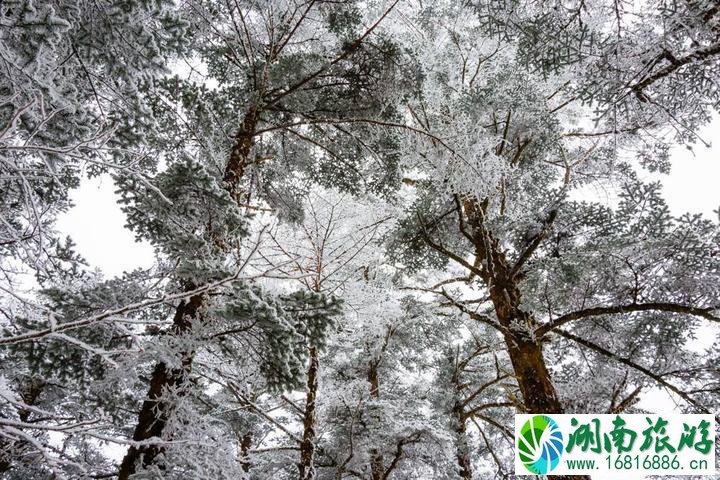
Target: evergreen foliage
pixel 376 229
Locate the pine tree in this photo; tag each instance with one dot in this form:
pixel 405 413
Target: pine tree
pixel 375 228
pixel 277 89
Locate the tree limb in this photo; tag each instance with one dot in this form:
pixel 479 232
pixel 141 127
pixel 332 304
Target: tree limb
pixel 626 361
pixel 633 307
pixel 534 243
pixel 698 55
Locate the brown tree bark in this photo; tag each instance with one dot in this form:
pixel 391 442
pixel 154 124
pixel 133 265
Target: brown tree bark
pixel 239 155
pixel 377 462
pixel 524 349
pixel 155 412
pixel 306 466
pixel 4 459
pixel 531 372
pixel 245 443
pixel 463 452
pixel 460 419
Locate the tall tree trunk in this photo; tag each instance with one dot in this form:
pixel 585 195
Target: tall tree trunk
pixel 4 458
pixel 462 446
pixel 536 385
pixel 155 412
pixel 533 377
pixel 307 447
pixel 245 443
pixel 239 155
pixel 525 351
pixel 377 462
pixel 531 372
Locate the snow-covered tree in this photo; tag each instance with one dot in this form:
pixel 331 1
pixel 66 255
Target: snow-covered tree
pixel 375 228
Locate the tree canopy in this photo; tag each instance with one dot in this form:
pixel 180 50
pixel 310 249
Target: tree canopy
pixel 375 229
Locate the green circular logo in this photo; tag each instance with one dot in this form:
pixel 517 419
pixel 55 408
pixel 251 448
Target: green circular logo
pixel 540 444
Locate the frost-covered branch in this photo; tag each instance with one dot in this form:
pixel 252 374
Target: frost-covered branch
pixel 625 361
pixel 629 308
